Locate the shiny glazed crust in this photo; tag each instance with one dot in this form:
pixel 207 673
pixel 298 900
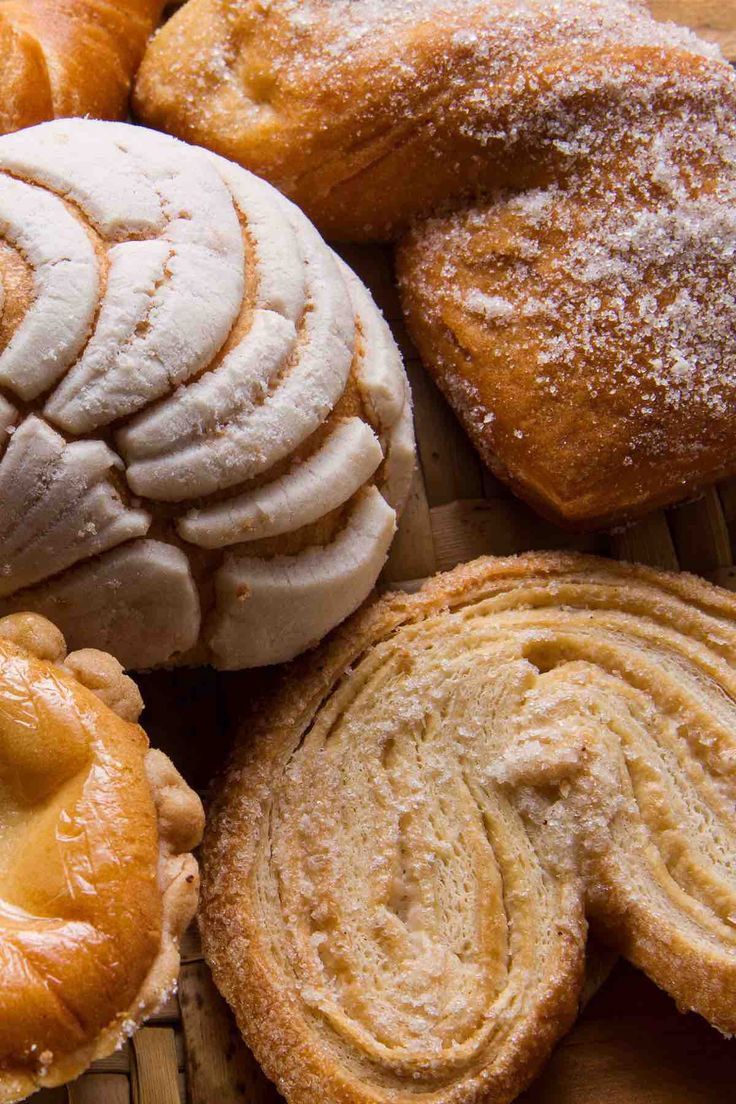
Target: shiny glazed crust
pixel 70 57
pixel 96 880
pixel 404 850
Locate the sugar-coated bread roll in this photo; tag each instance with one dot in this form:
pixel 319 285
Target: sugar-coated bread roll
pixel 421 822
pixel 97 883
pixel 586 335
pixel 370 113
pixel 205 426
pixel 70 57
pixel 574 297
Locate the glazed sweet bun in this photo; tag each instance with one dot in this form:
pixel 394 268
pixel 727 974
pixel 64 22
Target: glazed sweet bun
pixel 96 881
pixel 205 425
pixel 419 825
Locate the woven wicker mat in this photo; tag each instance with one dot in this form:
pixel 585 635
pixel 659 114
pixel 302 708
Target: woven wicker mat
pixel 631 1046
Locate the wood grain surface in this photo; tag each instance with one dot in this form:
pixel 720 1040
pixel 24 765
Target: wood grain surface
pixel 630 1045
pixel 712 19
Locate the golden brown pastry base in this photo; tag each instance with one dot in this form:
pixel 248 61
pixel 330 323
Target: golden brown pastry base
pixel 403 847
pixel 97 883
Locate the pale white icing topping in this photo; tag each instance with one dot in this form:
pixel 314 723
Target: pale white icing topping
pixel 184 335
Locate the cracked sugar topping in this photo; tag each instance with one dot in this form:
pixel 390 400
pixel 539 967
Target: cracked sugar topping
pixel 199 389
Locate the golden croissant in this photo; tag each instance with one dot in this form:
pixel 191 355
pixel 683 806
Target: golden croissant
pixel 70 57
pixel 416 832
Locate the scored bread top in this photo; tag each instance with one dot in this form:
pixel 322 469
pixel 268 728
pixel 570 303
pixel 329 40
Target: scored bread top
pixel 205 423
pixel 96 885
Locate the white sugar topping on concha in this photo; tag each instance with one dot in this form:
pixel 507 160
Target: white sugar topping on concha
pixel 205 426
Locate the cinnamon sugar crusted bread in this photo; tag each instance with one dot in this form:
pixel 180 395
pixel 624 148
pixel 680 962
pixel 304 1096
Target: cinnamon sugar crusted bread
pixel 370 113
pixel 205 426
pixel 70 57
pixel 417 828
pixel 96 880
pixel 587 342
pixel 577 308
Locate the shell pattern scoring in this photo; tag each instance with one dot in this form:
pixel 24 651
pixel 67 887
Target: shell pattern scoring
pixel 205 426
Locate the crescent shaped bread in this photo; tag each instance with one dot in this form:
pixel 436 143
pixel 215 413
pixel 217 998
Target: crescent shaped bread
pixel 205 425
pixel 70 57
pixel 573 295
pixel 372 114
pixel 96 881
pixel 417 828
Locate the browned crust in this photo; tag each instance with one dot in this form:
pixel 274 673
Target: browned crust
pixel 269 1018
pixel 370 132
pixel 625 505
pixel 70 57
pixel 180 820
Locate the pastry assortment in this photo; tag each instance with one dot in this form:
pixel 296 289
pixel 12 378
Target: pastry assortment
pixel 206 442
pixel 208 428
pixel 574 298
pixel 96 881
pixel 417 828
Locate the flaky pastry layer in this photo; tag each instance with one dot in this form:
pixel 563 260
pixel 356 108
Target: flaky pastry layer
pixel 417 829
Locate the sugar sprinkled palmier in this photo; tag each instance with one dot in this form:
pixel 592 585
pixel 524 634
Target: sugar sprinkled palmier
pixel 416 829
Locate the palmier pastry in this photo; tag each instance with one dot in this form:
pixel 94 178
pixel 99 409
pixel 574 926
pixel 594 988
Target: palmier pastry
pixel 415 832
pixel 205 426
pixel 578 308
pixel 70 57
pixel 96 883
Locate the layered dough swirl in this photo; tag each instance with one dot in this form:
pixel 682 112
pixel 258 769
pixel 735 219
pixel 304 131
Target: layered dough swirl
pixel 409 845
pixel 96 880
pixel 205 427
